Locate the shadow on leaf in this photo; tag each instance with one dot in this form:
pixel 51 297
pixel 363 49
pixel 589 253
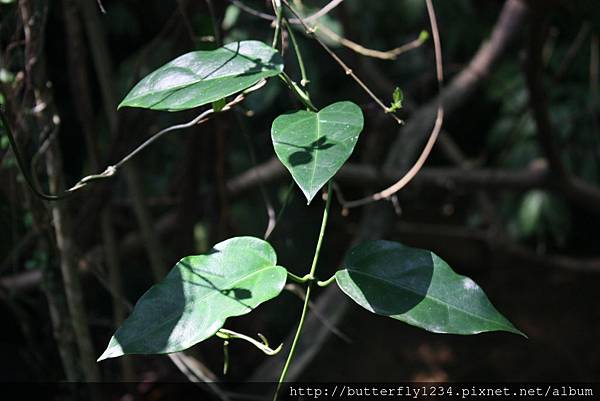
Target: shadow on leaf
pixel 306 154
pixel 392 281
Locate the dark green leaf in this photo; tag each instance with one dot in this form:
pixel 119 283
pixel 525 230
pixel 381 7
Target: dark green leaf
pixel 193 301
pixel 314 146
pixel 417 287
pixel 202 77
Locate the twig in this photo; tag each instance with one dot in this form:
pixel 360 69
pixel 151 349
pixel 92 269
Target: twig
pixel 384 55
pixel 537 99
pixel 310 31
pixel 279 18
pixel 213 19
pixel 103 67
pixel 364 175
pixel 414 170
pixel 505 248
pixel 410 174
pixel 101 7
pixel 111 170
pixel 572 186
pixel 392 54
pixel 196 375
pixel 322 12
pixel 35 25
pixel 79 85
pixel 573 50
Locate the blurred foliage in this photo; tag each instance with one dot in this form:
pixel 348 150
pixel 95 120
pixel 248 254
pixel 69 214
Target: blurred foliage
pixel 496 130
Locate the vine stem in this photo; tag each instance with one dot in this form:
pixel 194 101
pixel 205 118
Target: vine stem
pixel 304 80
pixel 279 15
pixel 313 268
pixel 311 32
pixel 110 170
pixel 298 92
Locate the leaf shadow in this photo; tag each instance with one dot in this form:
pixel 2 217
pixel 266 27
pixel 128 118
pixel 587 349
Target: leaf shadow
pixel 399 285
pixel 155 320
pixel 305 154
pixel 235 293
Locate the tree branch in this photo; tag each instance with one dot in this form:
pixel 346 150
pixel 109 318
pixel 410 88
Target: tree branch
pixel 573 187
pixel 431 235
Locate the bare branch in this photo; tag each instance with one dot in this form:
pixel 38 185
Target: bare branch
pixel 537 100
pixel 310 31
pixel 414 170
pixel 501 247
pixel 322 12
pixel 392 54
pixel 573 187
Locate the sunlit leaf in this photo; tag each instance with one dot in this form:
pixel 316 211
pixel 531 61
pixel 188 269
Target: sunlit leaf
pixel 192 303
pixel 202 77
pixel 314 146
pixel 417 287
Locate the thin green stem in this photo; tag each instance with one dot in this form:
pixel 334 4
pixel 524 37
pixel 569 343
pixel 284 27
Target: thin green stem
pixel 310 31
pixel 225 357
pixel 326 282
pixel 304 81
pixel 300 280
pixel 300 94
pixel 313 268
pixel 279 16
pixel 226 334
pixel 213 21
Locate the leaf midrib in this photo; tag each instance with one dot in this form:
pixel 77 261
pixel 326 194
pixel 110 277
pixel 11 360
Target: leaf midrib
pixel 314 169
pixel 201 81
pixel 264 70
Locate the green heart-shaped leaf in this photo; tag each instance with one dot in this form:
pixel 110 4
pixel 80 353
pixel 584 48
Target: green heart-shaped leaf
pixel 417 287
pixel 193 301
pixel 314 146
pixel 202 77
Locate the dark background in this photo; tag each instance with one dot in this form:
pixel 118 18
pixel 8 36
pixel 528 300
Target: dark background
pixel 508 197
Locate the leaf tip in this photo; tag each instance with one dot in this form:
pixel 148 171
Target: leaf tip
pixel 103 356
pixel 310 195
pixel 113 350
pixel 514 330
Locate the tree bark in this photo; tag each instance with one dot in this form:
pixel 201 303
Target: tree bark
pixel 34 15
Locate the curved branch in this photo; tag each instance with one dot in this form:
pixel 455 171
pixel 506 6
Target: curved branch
pixel 437 127
pixel 322 12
